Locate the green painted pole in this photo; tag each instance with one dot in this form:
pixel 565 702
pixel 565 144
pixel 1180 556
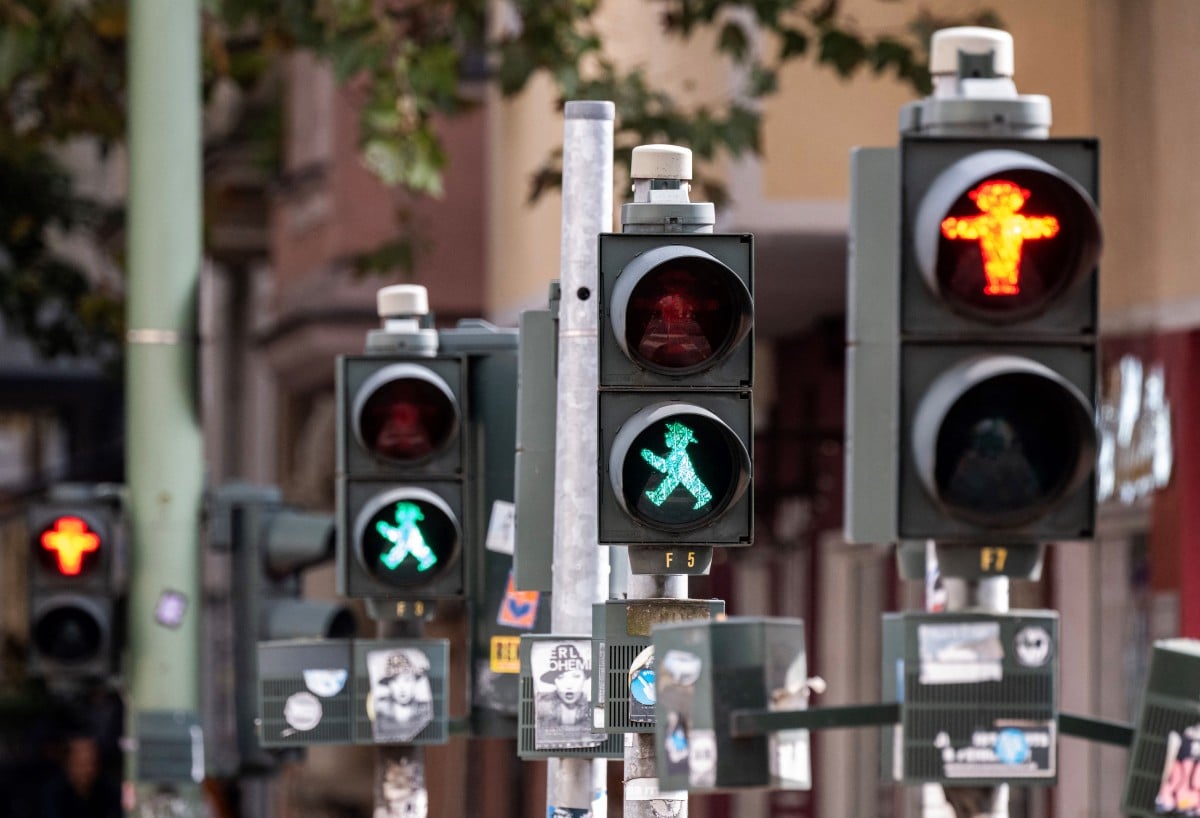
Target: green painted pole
pixel 163 451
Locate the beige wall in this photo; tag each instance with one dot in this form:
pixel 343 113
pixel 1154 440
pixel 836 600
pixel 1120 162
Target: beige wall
pixel 523 240
pixel 811 125
pixel 1123 70
pixel 1149 120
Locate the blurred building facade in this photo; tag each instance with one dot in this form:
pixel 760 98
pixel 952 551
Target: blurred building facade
pixel 275 319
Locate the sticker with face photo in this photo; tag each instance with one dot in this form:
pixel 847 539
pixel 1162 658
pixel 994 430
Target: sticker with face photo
pixel 401 703
pixel 562 704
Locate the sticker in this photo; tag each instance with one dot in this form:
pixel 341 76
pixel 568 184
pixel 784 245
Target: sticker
pixel 302 711
pixel 562 703
pixel 502 528
pixel 662 803
pixel 401 790
pixel 506 654
pixel 400 703
pixel 641 687
pixel 683 667
pixel 1178 793
pixel 518 609
pixel 1009 750
pixel 960 653
pixel 788 753
pixel 675 682
pixel 170 608
pixel 567 812
pixel 326 682
pixel 1011 746
pixel 1032 645
pixel 702 759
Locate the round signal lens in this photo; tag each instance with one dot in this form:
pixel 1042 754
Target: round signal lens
pixel 681 469
pixel 1010 448
pixel 68 634
pixel 1012 243
pixel 406 416
pixel 677 310
pixel 407 537
pixel 69 547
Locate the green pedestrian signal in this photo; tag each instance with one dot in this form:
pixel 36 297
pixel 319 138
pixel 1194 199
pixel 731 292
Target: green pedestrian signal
pixel 675 426
pixel 678 468
pixel 407 539
pixel 703 472
pixel 407 536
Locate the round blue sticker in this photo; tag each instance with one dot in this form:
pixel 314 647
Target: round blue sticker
pixel 1011 746
pixel 641 686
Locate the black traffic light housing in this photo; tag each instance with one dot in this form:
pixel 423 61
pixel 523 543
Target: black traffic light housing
pixel 402 494
pixel 676 365
pixel 972 340
pixel 269 546
pixel 75 599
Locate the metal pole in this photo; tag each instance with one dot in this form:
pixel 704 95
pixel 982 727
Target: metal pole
pixel 973 95
pixel 399 786
pixel 163 446
pixel 580 576
pixel 640 774
pixel 661 175
pixel 986 594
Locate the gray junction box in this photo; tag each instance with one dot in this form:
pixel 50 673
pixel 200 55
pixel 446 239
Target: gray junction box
pixel 539 733
pixel 977 695
pixel 708 669
pixel 1163 760
pixel 624 695
pixel 360 691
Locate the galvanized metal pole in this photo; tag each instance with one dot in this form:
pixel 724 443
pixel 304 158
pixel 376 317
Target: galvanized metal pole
pixel 163 447
pixel 661 176
pixel 580 576
pixel 399 786
pixel 973 95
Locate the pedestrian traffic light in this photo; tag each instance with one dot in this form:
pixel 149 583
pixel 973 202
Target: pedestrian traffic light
pixel 401 493
pixel 73 595
pixel 675 377
pixel 269 545
pixel 991 361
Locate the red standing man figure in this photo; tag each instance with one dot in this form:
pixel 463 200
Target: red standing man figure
pixel 1001 231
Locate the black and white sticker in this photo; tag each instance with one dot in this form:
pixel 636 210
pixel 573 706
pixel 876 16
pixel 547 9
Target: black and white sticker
pixel 1033 646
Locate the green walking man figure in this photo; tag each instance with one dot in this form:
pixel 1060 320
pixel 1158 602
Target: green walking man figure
pixel 406 539
pixel 678 468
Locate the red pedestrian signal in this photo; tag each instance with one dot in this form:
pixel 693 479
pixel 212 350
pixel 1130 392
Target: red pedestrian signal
pixel 997 339
pixel 405 414
pixel 1001 230
pixel 73 542
pixel 1002 236
pixel 70 540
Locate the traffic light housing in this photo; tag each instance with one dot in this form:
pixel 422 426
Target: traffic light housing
pixel 676 363
pixel 979 366
pixel 269 546
pixel 402 498
pixel 74 599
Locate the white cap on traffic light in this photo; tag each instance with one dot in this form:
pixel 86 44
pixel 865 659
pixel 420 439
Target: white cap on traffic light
pixel 661 162
pixel 402 301
pixel 947 43
pixel 661 177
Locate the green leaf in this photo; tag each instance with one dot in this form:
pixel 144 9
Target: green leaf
pixel 733 41
pixel 18 53
pixel 762 81
pixel 843 50
pixel 793 43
